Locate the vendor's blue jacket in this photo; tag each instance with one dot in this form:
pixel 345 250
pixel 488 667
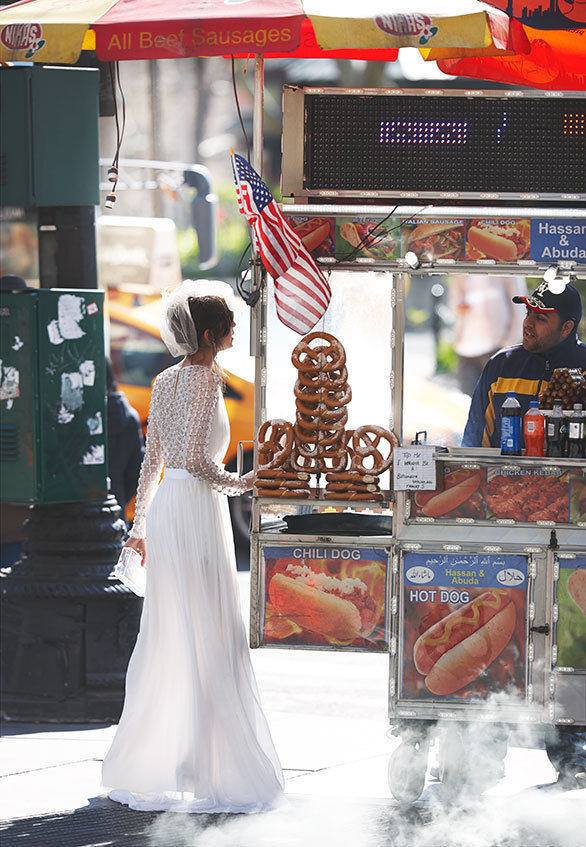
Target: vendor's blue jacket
pixel 514 369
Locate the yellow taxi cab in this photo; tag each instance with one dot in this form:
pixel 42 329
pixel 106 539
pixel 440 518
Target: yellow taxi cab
pixel 138 354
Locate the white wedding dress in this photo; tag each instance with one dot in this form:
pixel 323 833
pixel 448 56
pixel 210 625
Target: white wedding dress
pixel 192 736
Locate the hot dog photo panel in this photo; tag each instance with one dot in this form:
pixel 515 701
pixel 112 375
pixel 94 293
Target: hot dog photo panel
pixel 316 233
pixel 570 627
pixel 325 596
pixel 464 618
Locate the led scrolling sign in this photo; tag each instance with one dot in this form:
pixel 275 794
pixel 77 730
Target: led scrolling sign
pixel 409 143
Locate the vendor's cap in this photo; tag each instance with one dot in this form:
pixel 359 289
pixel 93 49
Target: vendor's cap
pixel 568 303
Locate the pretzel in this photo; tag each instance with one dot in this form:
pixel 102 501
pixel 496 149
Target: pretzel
pixel 350 486
pixel 333 418
pixel 279 473
pixel 309 429
pixel 331 399
pixel 334 399
pixel 320 416
pixel 337 464
pixel 333 463
pixel 307 407
pixel 281 483
pixel 304 438
pixel 331 451
pixel 351 476
pixel 283 492
pixel 365 441
pixel 307 424
pixel 304 464
pixel 329 438
pixel 324 379
pixel 307 395
pixel 330 356
pixel 305 450
pixel 275 442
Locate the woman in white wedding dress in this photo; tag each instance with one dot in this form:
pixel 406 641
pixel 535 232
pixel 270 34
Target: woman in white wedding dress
pixel 192 736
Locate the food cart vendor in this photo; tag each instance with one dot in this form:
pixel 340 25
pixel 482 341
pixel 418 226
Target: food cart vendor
pixel 550 341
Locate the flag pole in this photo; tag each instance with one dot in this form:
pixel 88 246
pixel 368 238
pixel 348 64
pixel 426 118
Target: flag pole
pixel 259 313
pixel 258 335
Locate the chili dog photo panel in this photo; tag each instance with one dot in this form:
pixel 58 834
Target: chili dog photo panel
pixel 464 626
pixel 325 596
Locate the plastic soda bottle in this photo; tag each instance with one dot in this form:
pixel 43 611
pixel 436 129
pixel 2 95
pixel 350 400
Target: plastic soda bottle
pixel 557 432
pixel 534 430
pixel 511 426
pixel 577 434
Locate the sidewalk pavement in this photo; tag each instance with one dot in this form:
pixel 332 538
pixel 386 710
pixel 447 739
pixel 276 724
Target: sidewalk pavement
pixel 327 713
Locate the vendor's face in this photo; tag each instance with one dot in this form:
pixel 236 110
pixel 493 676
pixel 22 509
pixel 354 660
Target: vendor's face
pixel 544 330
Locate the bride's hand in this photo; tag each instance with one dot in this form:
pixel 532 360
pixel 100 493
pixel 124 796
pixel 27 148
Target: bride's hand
pixel 249 479
pixel 138 544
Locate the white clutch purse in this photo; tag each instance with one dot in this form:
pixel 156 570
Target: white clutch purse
pixel 129 570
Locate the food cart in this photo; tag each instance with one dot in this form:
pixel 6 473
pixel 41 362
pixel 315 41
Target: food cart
pixel 461 538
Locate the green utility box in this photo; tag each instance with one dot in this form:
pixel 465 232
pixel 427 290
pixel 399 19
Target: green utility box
pixel 52 396
pixel 49 136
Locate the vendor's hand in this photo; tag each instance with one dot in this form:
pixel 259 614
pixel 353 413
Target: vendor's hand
pixel 138 544
pixel 249 479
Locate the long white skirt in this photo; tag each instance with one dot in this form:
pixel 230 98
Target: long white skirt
pixel 192 736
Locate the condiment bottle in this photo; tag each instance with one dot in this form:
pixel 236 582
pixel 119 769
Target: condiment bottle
pixel 534 430
pixel 557 432
pixel 511 426
pixel 577 434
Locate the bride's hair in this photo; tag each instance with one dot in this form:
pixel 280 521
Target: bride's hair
pixel 192 309
pixel 210 314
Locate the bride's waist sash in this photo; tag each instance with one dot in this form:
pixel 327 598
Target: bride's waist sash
pixel 182 473
pixel 178 473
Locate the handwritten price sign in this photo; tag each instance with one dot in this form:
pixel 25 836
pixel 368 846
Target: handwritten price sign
pixel 414 468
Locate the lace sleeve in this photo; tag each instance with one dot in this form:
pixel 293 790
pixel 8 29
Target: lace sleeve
pixel 150 472
pixel 199 462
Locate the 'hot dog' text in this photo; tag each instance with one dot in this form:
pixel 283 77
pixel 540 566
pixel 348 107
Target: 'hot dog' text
pixel 443 595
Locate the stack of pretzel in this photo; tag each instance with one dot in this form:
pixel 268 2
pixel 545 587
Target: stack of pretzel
pixel 352 460
pixel 322 395
pixel 275 476
pixel 367 461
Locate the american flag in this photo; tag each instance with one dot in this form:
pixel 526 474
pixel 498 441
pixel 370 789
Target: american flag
pixel 302 294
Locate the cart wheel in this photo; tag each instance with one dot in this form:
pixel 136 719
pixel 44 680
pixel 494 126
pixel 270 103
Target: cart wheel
pixel 407 769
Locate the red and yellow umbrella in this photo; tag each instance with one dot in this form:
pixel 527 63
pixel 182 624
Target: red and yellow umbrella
pixel 527 46
pixel 57 30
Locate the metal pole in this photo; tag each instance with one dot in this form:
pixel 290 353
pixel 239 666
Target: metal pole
pixel 258 340
pixel 396 378
pixel 259 314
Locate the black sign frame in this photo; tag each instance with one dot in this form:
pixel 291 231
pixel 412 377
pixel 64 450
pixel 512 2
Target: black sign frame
pixel 434 143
